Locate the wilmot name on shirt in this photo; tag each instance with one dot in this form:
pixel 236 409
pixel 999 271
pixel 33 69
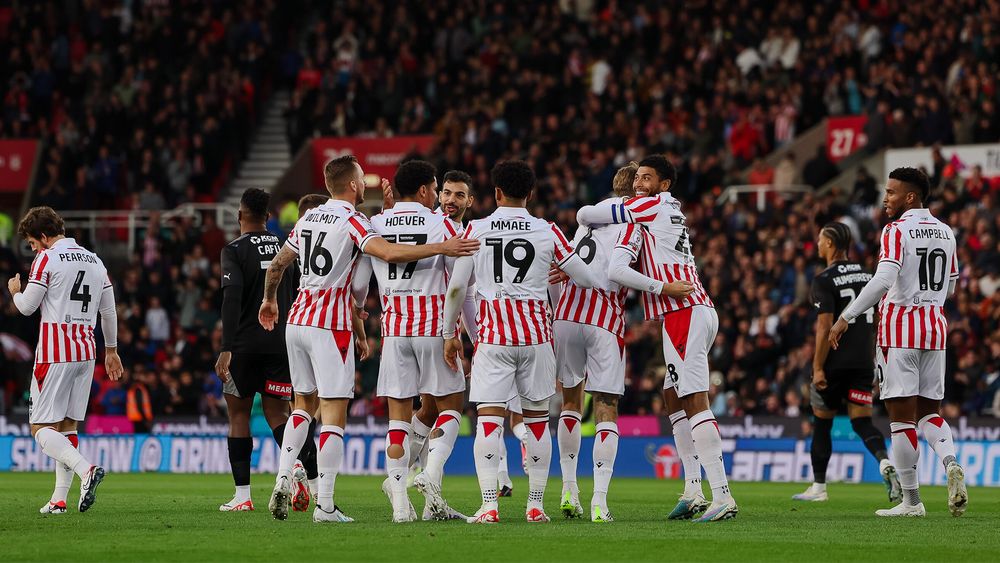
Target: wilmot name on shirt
pixel 509 225
pixel 930 233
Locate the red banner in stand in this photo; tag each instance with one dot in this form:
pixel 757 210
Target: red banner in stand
pixel 17 156
pixel 380 157
pixel 844 135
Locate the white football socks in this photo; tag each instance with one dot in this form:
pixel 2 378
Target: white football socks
pixel 59 448
pixel 568 436
pixel 489 433
pixel 684 444
pixel 328 461
pixel 439 447
pixel 605 451
pixel 905 455
pixel 539 449
pixel 396 468
pixel 296 432
pixel 418 439
pixel 937 432
pixel 708 445
pixel 64 475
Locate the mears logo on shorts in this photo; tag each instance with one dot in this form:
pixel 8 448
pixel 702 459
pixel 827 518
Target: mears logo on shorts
pixel 282 389
pixel 859 397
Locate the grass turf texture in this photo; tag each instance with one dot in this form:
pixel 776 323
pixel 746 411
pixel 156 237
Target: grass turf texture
pixel 160 517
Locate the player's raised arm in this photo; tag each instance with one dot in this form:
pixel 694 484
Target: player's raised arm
pixel 616 211
pixel 269 308
pixel 399 253
pixel 109 326
pixel 28 299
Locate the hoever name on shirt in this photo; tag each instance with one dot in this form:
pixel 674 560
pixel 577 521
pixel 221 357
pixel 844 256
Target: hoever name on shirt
pixel 509 225
pixel 77 257
pixel 930 233
pixel 404 221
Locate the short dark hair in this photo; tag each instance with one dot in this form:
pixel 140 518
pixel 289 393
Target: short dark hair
pixel 411 175
pixel 514 178
pixel 339 170
pixel 914 179
pixel 664 168
pixel 458 176
pixel 255 202
pixel 838 233
pixel 311 201
pixel 41 221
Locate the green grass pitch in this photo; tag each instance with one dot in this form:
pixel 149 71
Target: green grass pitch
pixel 160 517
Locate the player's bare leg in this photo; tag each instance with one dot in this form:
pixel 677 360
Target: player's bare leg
pixel 539 450
pixel 708 445
pixel 64 475
pixel 692 501
pixel 440 444
pixel 861 422
pixel 605 451
pixel 568 437
pixel 240 449
pixel 295 435
pixel 486 448
pixel 61 449
pixel 333 414
pixel 905 455
pixel 516 421
pixel 397 457
pixel 819 451
pixel 937 432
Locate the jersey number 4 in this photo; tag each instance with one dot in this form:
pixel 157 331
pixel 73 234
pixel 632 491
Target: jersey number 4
pixel 81 292
pixel 409 267
pixel 509 252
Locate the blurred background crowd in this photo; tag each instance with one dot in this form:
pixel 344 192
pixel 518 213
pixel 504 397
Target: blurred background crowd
pixel 141 106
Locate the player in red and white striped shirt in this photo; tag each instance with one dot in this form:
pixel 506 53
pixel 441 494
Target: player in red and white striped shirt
pixel 589 330
pixel 70 285
pixel 327 242
pixel 917 272
pixel 689 327
pixel 515 354
pixel 412 361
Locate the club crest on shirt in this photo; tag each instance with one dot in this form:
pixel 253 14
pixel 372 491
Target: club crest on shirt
pixel 69 319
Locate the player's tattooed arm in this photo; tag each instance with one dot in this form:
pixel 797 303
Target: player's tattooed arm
pixel 268 313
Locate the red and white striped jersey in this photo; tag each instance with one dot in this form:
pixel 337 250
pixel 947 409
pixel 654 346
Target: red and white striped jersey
pixel 912 311
pixel 666 251
pixel 328 241
pixel 74 279
pixel 511 271
pixel 603 304
pixel 413 293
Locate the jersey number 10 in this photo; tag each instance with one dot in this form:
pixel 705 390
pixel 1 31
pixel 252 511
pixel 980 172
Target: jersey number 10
pixel 930 268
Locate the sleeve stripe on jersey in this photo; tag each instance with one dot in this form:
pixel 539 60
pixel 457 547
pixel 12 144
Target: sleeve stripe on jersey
pixel 468 232
pixel 614 214
pixel 361 231
pixel 41 267
pixel 451 230
pixel 561 238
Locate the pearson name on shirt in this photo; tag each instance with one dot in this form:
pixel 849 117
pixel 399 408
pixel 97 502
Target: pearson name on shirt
pixel 930 233
pixel 77 257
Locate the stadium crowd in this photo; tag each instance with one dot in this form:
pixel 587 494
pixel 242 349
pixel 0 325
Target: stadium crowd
pixel 564 90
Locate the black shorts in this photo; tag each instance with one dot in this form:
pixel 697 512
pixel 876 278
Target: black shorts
pixel 266 374
pixel 843 386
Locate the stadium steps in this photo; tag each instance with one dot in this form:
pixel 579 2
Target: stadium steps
pixel 269 156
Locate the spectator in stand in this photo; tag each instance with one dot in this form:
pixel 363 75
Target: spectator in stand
pixel 786 173
pixel 760 174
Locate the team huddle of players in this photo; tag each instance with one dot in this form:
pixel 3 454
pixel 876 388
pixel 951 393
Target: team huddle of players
pixel 537 308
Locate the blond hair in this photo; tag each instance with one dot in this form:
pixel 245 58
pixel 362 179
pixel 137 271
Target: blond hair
pixel 622 184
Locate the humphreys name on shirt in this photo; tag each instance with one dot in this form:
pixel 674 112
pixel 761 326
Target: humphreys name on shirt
pixel 930 233
pixel 851 273
pixel 510 225
pixel 77 257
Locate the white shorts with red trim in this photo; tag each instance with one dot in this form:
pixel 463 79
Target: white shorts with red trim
pixel 514 405
pixel 588 352
pixel 688 335
pixel 413 365
pixel 501 372
pixel 909 372
pixel 60 391
pixel 321 360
